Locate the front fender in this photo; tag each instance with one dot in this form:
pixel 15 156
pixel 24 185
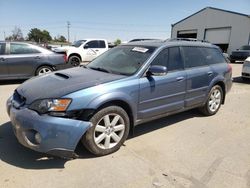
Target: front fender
pixel 114 96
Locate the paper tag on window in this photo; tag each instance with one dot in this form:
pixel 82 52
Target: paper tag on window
pixel 140 49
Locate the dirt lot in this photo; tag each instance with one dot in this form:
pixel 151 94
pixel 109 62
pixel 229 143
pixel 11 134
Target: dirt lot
pixel 184 150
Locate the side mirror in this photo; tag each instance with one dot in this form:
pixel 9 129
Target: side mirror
pixel 86 46
pixel 157 70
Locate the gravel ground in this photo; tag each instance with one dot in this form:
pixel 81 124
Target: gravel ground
pixel 183 150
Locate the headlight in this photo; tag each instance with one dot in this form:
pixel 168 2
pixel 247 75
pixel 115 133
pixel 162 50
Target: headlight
pixel 50 105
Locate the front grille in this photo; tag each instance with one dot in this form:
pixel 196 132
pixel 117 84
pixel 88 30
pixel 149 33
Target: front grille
pixel 18 100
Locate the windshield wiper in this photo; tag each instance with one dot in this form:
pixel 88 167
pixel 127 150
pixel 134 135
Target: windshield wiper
pixel 100 69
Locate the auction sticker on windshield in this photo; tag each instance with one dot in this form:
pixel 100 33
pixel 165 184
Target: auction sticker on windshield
pixel 140 49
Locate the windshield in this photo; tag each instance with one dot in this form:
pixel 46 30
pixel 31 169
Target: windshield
pixel 125 60
pixel 245 47
pixel 78 43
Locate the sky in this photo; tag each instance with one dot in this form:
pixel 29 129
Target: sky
pixel 109 19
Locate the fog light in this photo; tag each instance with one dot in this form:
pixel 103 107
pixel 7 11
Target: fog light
pixel 38 138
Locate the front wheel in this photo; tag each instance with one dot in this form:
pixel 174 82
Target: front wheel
pixel 213 102
pixel 110 128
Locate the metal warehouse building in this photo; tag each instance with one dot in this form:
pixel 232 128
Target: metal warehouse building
pixel 229 30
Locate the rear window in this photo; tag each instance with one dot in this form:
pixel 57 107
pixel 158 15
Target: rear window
pixel 2 48
pixel 102 44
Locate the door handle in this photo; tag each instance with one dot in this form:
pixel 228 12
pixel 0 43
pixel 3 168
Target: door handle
pixel 97 50
pixel 210 73
pixel 179 79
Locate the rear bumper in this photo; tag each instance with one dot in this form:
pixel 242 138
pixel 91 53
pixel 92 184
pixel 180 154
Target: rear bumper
pixel 56 136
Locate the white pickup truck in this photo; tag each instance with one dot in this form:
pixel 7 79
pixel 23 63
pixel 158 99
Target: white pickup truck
pixel 84 50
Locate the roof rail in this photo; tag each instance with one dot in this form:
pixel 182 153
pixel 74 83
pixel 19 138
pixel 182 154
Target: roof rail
pixel 187 39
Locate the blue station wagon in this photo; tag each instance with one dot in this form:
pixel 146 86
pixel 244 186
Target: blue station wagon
pixel 100 103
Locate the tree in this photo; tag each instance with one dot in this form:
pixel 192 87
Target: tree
pixel 60 38
pixel 38 35
pixel 117 42
pixel 17 35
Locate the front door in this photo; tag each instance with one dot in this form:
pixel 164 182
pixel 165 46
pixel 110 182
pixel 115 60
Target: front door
pixel 163 94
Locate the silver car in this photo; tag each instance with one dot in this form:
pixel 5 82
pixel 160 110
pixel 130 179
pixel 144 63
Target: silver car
pixel 246 69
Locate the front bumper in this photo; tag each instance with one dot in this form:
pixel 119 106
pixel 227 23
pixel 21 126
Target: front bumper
pixel 57 136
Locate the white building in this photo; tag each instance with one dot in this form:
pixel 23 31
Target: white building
pixel 227 29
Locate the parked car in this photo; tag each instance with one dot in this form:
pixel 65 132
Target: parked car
pixel 240 54
pixel 84 50
pixel 130 84
pixel 246 69
pixel 19 60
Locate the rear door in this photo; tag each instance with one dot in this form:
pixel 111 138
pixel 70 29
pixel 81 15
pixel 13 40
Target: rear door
pixel 199 75
pixel 22 60
pixel 163 94
pixel 3 61
pixel 93 49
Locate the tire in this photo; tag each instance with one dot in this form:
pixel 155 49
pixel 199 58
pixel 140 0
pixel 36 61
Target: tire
pixel 245 79
pixel 110 128
pixel 44 70
pixel 74 60
pixel 213 102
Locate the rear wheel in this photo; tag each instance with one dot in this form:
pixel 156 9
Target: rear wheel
pixel 110 128
pixel 43 70
pixel 213 102
pixel 74 60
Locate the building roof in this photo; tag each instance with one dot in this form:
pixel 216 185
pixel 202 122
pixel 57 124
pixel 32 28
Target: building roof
pixel 213 9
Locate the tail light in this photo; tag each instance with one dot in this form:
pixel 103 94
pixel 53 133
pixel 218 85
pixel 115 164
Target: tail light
pixel 229 67
pixel 65 58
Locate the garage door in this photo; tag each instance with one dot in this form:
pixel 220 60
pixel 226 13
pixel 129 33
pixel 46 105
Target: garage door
pixel 218 35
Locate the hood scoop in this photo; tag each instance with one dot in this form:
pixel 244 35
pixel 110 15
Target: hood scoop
pixel 64 76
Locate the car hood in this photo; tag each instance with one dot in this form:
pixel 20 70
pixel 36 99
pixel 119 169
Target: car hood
pixel 61 83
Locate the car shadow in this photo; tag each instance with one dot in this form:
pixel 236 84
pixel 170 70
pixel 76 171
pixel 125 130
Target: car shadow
pixel 15 154
pixel 240 80
pixel 11 82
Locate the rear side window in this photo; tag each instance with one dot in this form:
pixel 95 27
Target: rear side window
pixel 93 44
pixel 213 56
pixel 193 57
pixel 102 44
pixel 16 48
pixel 2 48
pixel 174 59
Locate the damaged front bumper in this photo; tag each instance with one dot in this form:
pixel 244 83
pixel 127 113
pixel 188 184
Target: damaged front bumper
pixel 46 134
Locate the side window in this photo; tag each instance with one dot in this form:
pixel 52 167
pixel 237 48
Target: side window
pixel 16 48
pixel 161 58
pixel 2 48
pixel 174 59
pixel 213 56
pixel 193 57
pixel 102 44
pixel 93 44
